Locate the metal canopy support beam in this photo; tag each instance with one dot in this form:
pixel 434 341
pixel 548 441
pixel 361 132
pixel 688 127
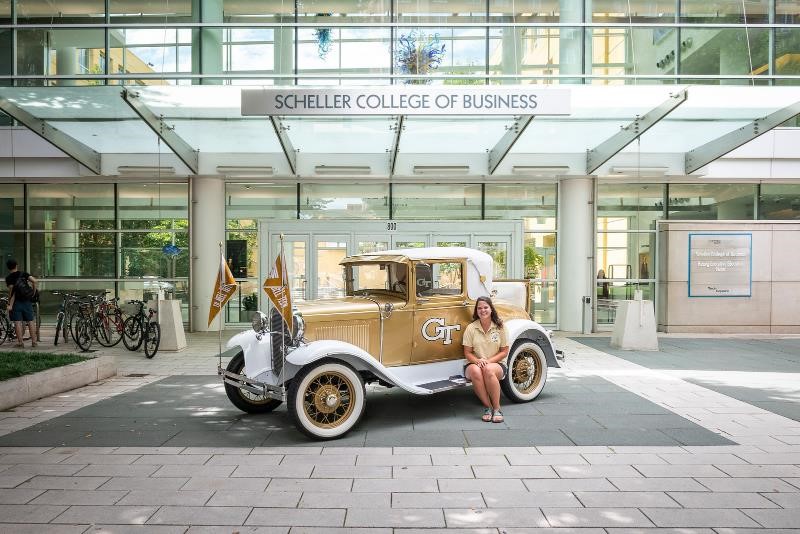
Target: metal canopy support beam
pixel 398 131
pixel 504 145
pixel 286 143
pixel 606 150
pixel 81 153
pixel 182 149
pixel 713 150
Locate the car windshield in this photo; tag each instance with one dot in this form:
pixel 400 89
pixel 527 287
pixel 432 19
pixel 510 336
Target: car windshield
pixel 364 278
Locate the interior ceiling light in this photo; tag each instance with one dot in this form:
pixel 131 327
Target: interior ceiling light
pixel 539 170
pixel 639 171
pixel 240 170
pixel 441 169
pixel 343 169
pixel 145 169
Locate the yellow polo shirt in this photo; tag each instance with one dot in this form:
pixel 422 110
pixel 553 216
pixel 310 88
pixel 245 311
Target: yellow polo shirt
pixel 484 344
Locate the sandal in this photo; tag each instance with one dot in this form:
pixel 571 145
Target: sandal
pixel 487 416
pixel 19 345
pixel 497 417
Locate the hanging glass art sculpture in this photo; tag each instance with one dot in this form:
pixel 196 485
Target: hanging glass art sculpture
pixel 324 38
pixel 418 54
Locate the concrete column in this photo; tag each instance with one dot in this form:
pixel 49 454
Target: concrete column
pixel 284 54
pixel 207 42
pixel 66 256
pixel 207 225
pixel 513 51
pixel 570 42
pixel 575 266
pixel 67 63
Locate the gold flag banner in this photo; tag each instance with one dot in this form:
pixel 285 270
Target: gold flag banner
pixel 277 289
pixel 224 286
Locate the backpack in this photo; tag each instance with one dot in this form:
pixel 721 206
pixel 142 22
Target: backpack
pixel 23 290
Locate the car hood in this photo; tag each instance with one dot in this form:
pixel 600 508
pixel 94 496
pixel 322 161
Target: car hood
pixel 328 307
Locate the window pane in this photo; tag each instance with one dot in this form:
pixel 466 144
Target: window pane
pixel 786 12
pixel 430 51
pixel 141 289
pixel 50 304
pixel 12 245
pixel 779 202
pixel 625 255
pixel 122 11
pixel 244 302
pixel 540 255
pixel 737 51
pixel 142 254
pixel 248 50
pixel 150 50
pixel 441 10
pixel 533 203
pixel 438 201
pixel 59 11
pixel 629 206
pixel 787 51
pixel 153 206
pixel 720 11
pixel 650 11
pixel 610 293
pixel 535 52
pixel 343 50
pixel 5 59
pixel 71 206
pixel 619 51
pixel 73 254
pixel 711 201
pixel 242 253
pixel 12 207
pixel 246 203
pixel 543 302
pixel 61 52
pixel 362 201
pixel 524 10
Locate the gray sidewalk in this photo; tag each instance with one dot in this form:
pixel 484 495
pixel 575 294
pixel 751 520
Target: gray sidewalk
pixel 689 441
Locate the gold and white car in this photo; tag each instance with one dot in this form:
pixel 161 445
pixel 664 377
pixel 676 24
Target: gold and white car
pixel 399 324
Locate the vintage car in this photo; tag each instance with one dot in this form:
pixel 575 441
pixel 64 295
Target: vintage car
pixel 399 324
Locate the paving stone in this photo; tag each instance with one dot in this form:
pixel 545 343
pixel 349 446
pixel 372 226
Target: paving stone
pixel 167 497
pixel 72 483
pixel 224 484
pixel 109 515
pixel 480 485
pixel 754 471
pixel 706 517
pixel 667 471
pixel 18 496
pixel 530 499
pixel 395 517
pixel 657 484
pixel 596 517
pixel 30 513
pixel 240 530
pixel 719 459
pixel 546 459
pixel 468 459
pixel 137 483
pixel 117 471
pixel 355 471
pixel 200 515
pixel 785 500
pixel 331 530
pixel 432 471
pixel 569 484
pixel 101 459
pixel 395 460
pixel 595 471
pixel 746 485
pixel 12 481
pixel 20 528
pixel 789 518
pixel 274 471
pixel 245 459
pixel 518 438
pixel 312 499
pixel 722 500
pixel 506 517
pixel 437 500
pixel 137 529
pixel 515 471
pixel 293 517
pixel 625 499
pixel 623 459
pixel 80 497
pixel 307 484
pixel 396 485
pixel 31 470
pixel 262 499
pixel 318 459
pixel 200 471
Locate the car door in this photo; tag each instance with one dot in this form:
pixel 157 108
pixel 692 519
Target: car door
pixel 441 312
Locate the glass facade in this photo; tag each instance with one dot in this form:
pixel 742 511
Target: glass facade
pixel 399 41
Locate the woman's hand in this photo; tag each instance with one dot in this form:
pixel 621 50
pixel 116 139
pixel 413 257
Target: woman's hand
pixel 481 363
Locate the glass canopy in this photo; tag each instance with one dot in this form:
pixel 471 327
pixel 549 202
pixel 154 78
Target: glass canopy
pixel 201 130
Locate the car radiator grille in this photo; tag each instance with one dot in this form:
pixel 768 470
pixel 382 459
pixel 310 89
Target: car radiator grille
pixel 356 333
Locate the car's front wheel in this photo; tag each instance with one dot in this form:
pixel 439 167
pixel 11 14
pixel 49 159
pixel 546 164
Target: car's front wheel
pixel 326 399
pixel 247 401
pixel 527 372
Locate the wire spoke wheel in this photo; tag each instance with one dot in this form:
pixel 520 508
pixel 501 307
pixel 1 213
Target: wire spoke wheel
pixel 152 339
pixel 84 333
pixel 527 372
pixel 245 400
pixel 132 333
pixel 326 399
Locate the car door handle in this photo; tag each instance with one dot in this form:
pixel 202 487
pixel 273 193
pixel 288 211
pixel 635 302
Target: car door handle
pixel 422 299
pixel 465 304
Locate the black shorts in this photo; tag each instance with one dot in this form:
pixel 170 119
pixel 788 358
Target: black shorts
pixel 501 364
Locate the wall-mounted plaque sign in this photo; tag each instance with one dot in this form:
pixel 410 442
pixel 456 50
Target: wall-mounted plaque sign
pixel 720 265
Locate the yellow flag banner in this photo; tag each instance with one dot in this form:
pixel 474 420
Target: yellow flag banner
pixel 224 286
pixel 277 288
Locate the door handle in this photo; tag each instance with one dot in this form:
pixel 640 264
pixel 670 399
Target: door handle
pixel 465 304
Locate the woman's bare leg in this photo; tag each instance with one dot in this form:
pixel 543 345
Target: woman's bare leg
pixel 491 380
pixel 474 374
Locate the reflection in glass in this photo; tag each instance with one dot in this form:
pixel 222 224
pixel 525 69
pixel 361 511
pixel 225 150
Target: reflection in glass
pixel 436 201
pixel 75 52
pixel 12 245
pixel 498 250
pixel 150 50
pixel 620 51
pixel 787 51
pixel 155 206
pixel 244 302
pixel 532 52
pixel 165 12
pixel 728 51
pixel 540 255
pixel 441 10
pixel 625 255
pixel 622 207
pixel 543 302
pixel 73 254
pixel 534 202
pixel 711 201
pixel 362 201
pixel 330 283
pixel 246 203
pixel 779 201
pixel 648 11
pixel 12 204
pixel 610 293
pixel 351 50
pixel 722 11
pixel 59 11
pixel 71 206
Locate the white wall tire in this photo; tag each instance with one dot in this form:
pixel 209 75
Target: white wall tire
pixel 326 399
pixel 527 372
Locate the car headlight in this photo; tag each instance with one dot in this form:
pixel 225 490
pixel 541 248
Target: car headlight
pixel 260 322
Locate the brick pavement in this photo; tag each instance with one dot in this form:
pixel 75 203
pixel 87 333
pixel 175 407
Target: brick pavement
pixel 750 486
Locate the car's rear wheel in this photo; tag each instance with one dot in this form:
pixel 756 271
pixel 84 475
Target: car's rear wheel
pixel 527 372
pixel 326 399
pixel 245 400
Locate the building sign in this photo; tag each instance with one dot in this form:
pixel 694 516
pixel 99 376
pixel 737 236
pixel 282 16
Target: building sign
pixel 720 265
pixel 407 100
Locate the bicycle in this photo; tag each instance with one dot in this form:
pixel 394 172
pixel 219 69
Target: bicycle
pixel 6 327
pixel 98 319
pixel 140 328
pixel 66 311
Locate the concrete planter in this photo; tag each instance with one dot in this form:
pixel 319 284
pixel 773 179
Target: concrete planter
pixel 28 388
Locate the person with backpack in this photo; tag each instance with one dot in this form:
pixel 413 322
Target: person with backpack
pixel 21 294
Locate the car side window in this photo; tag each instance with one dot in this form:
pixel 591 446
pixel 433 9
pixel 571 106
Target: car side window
pixel 440 278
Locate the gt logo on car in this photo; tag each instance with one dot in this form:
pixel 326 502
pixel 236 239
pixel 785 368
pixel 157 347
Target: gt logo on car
pixel 442 331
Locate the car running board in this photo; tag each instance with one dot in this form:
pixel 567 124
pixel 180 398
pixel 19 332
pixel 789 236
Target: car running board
pixel 456 381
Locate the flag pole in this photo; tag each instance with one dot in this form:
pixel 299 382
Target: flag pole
pixel 221 315
pixel 283 330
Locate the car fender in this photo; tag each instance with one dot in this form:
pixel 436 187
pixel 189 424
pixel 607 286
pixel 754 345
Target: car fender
pixel 527 329
pixel 357 357
pixel 257 352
